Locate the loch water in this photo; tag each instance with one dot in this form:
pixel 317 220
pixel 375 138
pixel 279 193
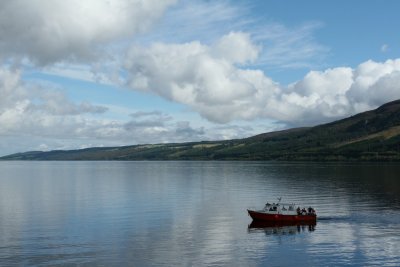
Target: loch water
pixel 190 213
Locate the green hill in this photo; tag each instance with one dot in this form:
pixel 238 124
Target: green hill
pixel 368 136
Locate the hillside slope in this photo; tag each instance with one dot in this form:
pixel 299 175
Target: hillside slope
pixel 366 136
pixel 371 135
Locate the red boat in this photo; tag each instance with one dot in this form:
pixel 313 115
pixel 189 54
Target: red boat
pixel 279 212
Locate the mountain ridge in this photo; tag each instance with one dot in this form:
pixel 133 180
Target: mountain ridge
pixel 367 136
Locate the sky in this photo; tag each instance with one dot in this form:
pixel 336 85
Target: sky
pixel 77 74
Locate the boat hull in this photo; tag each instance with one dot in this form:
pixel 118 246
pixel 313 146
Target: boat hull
pixel 262 216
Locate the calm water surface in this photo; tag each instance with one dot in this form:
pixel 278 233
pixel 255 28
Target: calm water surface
pixel 194 214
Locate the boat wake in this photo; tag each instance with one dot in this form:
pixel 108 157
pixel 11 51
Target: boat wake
pixel 334 218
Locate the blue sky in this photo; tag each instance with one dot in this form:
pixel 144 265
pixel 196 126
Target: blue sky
pixel 77 74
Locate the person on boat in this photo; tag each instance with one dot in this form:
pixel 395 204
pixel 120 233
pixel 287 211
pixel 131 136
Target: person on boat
pixel 298 211
pixel 303 211
pixel 311 211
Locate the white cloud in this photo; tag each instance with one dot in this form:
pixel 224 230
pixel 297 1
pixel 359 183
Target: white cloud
pixel 41 117
pixel 216 83
pixel 236 47
pixel 319 97
pixel 72 71
pixel 9 81
pixel 285 47
pixel 203 77
pixel 48 31
pixel 26 108
pixel 339 92
pixel 34 117
pixel 207 21
pixel 376 83
pixel 199 20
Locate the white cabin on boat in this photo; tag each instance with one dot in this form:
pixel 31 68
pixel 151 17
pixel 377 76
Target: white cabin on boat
pixel 281 208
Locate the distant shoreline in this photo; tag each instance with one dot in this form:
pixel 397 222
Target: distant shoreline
pixel 370 136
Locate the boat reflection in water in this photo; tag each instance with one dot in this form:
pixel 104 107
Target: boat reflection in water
pixel 281 228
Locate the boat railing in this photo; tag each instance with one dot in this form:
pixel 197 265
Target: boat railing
pixel 279 208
